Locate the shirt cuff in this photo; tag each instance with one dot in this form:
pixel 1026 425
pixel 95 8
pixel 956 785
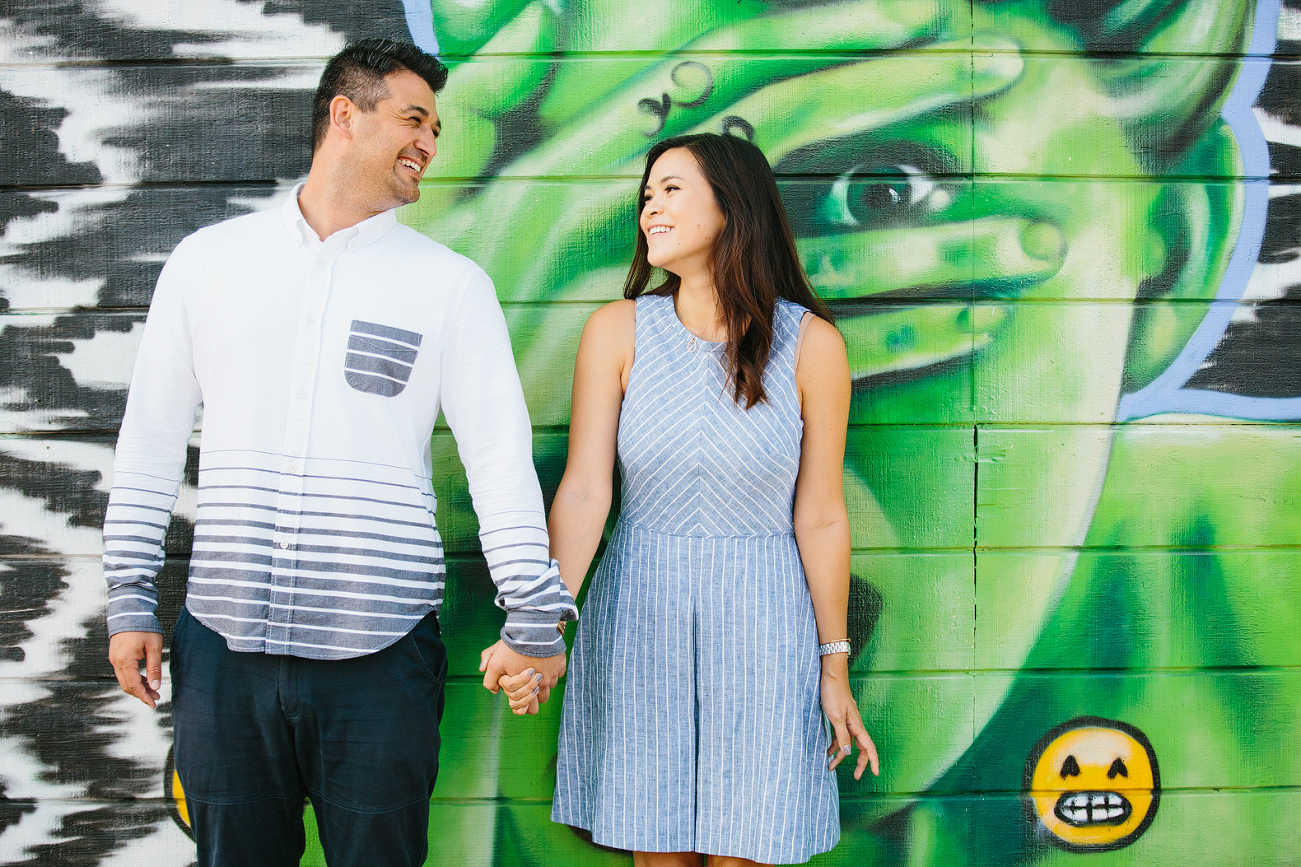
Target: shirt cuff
pixel 531 630
pixel 134 622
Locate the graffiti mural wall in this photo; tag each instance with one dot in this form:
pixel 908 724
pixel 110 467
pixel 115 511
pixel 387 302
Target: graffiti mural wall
pixel 1063 242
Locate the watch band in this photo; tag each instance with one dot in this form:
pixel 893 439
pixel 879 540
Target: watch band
pixel 834 647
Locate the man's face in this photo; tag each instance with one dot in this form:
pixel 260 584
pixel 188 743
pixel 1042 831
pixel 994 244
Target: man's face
pixel 393 144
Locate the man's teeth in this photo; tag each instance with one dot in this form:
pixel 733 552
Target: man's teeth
pixel 411 164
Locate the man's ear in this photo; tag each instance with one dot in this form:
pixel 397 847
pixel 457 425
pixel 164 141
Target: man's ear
pixel 1199 222
pixel 342 113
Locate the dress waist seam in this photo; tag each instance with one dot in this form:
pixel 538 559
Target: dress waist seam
pixel 777 534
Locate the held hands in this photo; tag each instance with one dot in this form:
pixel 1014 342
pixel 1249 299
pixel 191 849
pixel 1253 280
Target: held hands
pixel 126 650
pixel 841 709
pixel 527 680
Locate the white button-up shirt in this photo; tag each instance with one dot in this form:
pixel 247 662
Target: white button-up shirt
pixel 321 368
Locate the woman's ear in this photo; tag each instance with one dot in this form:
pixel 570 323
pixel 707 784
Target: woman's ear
pixel 1199 223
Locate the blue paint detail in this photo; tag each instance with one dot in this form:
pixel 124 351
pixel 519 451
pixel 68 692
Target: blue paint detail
pixel 420 21
pixel 1167 393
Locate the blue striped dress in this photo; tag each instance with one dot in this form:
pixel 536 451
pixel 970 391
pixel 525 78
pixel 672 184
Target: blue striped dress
pixel 692 719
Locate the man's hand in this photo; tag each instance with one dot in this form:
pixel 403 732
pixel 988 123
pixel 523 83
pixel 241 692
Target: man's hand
pixel 125 652
pixel 499 661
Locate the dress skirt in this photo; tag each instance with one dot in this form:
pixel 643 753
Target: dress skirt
pixel 692 715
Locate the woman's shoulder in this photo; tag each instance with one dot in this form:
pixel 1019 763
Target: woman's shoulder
pixel 616 320
pixel 821 348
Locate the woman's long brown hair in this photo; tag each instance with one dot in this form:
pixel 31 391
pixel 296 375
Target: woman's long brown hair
pixel 754 260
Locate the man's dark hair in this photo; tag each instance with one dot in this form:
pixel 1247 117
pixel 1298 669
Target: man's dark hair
pixel 358 71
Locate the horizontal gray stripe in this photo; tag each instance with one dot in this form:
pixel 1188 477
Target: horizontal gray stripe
pixel 533 527
pixel 371 364
pixel 314 476
pixel 197 556
pixel 328 531
pixel 318 549
pixel 126 523
pixel 505 563
pixel 531 544
pixel 422 577
pixel 135 504
pixel 410 337
pixel 304 514
pixel 372 346
pixel 306 496
pixel 144 540
pixel 139 556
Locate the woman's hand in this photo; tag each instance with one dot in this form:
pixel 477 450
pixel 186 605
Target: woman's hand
pixel 839 706
pixel 524 690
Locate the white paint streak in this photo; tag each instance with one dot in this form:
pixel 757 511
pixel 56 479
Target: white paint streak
pixel 243 30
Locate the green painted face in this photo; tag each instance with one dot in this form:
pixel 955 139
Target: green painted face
pixel 989 322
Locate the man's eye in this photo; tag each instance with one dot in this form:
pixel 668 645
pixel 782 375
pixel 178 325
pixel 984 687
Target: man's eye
pixel 900 193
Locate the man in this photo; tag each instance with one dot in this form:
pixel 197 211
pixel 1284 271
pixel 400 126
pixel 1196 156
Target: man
pixel 322 340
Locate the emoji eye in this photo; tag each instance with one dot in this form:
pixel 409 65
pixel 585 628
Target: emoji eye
pixel 1070 767
pixel 1117 769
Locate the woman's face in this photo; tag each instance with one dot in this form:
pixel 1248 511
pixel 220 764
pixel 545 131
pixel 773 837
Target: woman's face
pixel 679 216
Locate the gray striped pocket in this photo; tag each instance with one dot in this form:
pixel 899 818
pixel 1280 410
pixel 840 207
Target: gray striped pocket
pixel 380 358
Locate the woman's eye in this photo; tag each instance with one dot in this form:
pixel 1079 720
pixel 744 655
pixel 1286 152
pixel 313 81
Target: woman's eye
pixel 857 198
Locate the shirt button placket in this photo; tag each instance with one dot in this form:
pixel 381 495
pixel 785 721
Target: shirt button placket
pixel 298 427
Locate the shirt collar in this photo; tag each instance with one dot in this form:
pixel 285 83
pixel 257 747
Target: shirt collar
pixel 356 236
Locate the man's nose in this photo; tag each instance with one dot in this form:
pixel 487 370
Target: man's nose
pixel 428 143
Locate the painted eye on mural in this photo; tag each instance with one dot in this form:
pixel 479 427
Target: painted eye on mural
pixel 887 184
pixel 864 196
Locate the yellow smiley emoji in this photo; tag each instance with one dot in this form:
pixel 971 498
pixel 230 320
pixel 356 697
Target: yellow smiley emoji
pixel 1093 784
pixel 174 795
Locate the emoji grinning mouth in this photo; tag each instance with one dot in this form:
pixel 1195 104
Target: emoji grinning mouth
pixel 1082 809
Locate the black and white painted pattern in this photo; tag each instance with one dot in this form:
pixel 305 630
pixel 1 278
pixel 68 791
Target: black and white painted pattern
pixel 124 126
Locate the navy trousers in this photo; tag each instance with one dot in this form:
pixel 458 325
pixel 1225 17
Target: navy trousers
pixel 256 733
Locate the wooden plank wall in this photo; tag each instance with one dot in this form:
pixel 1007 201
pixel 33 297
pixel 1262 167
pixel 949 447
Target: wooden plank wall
pixel 1062 243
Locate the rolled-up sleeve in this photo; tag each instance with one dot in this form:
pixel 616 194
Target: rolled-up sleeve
pixel 484 405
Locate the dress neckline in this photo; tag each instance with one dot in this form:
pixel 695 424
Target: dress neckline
pixel 694 341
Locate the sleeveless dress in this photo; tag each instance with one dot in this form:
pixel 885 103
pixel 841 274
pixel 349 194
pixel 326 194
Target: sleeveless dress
pixel 692 716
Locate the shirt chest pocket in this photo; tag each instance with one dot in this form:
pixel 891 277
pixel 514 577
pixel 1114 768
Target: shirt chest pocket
pixel 380 358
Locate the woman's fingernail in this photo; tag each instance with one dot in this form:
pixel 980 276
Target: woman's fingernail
pixel 845 749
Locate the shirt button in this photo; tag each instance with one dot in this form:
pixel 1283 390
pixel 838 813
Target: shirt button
pixel 311 320
pixel 302 394
pixel 284 544
pixel 691 345
pixel 293 468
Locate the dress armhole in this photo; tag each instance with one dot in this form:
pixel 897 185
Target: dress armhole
pixel 633 360
pixel 799 341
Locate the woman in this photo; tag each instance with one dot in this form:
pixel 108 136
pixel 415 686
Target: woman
pixel 692 723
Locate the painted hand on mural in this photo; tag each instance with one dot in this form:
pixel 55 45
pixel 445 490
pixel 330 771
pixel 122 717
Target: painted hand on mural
pixel 999 274
pixel 930 273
